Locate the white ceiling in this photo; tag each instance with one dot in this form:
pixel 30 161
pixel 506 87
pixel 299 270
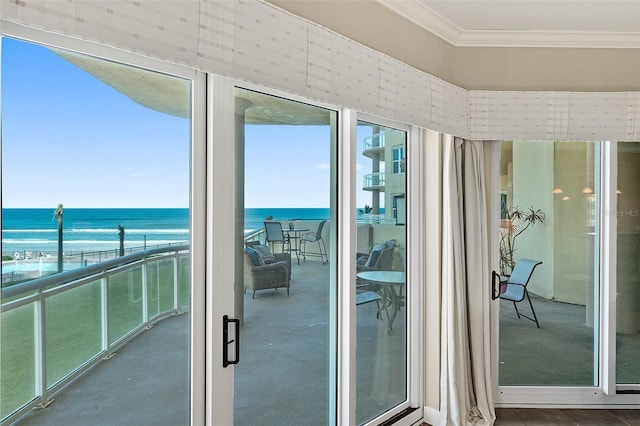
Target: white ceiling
pixel 559 23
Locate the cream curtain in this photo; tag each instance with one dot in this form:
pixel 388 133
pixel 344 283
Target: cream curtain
pixel 465 378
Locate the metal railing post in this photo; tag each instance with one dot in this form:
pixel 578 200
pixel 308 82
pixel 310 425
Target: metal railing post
pixel 176 284
pixel 104 317
pixel 40 348
pixel 145 293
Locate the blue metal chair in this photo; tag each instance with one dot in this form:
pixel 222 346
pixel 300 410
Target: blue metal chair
pixel 276 236
pixel 514 287
pixel 314 237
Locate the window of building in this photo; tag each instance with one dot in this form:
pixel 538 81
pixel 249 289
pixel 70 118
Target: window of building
pixel 398 160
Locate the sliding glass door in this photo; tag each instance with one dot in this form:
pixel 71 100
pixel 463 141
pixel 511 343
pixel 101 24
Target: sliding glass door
pixel 312 333
pixel 381 260
pixel 96 239
pixel 573 206
pixel 628 266
pixel 285 293
pixel 549 212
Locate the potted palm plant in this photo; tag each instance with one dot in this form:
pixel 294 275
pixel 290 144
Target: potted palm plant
pixel 514 223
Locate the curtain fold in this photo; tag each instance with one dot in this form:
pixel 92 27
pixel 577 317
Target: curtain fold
pixel 465 381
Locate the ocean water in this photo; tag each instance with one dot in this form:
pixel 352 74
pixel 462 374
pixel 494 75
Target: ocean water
pixel 254 218
pixel 88 230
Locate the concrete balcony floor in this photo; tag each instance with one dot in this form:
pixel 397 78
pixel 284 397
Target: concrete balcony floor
pixel 145 383
pixel 561 351
pixel 283 375
pixel 282 378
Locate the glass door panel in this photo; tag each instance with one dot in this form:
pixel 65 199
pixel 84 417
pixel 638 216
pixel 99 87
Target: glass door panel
pixel 549 212
pixel 381 324
pixel 95 166
pixel 287 292
pixel 628 269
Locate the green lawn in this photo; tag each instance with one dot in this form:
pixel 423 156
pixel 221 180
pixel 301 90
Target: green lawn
pixel 73 333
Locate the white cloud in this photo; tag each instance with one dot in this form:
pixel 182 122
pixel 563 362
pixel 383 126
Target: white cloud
pixel 323 166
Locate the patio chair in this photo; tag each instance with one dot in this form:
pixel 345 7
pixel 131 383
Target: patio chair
pixel 268 256
pixel 379 259
pixel 262 276
pixel 314 237
pixel 514 287
pixel 276 236
pixel 366 293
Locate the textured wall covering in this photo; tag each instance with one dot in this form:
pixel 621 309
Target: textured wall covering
pixel 258 42
pixel 554 115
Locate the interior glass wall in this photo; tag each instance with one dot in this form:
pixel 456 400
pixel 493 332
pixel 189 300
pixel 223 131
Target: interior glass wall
pixel 628 264
pixel 286 297
pixel 549 212
pixel 95 166
pixel 381 327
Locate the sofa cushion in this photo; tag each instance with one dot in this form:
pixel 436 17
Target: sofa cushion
pixel 256 259
pixel 265 254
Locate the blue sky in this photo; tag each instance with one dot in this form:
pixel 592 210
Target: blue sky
pixel 69 138
pixel 287 166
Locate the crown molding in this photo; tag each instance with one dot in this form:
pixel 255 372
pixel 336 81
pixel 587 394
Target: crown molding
pixel 566 39
pixel 420 14
pixel 440 26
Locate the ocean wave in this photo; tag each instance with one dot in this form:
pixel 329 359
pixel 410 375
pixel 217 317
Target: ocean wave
pixel 128 242
pixel 26 241
pixel 100 231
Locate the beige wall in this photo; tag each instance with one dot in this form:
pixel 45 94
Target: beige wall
pixel 478 68
pixel 533 176
pixel 583 70
pixel 572 240
pixel 564 243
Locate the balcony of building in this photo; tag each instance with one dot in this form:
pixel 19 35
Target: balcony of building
pixel 373 146
pixel 373 181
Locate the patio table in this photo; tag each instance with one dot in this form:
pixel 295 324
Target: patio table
pixel 294 234
pixel 386 282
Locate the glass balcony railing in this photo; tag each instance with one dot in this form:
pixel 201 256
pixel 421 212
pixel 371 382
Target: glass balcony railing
pixel 373 180
pixel 373 141
pixel 54 327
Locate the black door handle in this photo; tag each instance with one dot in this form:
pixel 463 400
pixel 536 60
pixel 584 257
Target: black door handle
pixel 226 342
pixel 495 290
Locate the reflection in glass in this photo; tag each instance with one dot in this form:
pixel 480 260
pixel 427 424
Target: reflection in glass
pixel 559 179
pixel 628 271
pixel 287 289
pixel 381 352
